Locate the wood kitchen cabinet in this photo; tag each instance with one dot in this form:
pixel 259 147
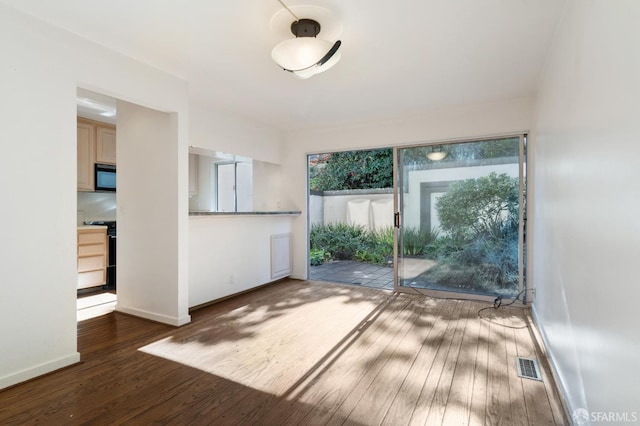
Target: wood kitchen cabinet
pixel 105 144
pixel 86 155
pixel 96 144
pixel 92 256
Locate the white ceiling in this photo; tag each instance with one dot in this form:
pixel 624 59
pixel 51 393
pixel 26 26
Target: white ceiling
pixel 400 57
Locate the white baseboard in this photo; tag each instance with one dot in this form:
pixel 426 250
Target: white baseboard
pixel 39 370
pixel 175 321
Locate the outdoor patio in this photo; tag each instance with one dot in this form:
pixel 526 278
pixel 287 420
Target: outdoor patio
pixel 379 276
pixel 368 274
pixel 356 273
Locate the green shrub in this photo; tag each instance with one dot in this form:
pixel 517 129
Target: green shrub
pixel 480 217
pixel 339 239
pixel 478 206
pixel 369 256
pixel 414 240
pixel 442 248
pixel 318 257
pixel 488 260
pixel 380 244
pixel 496 250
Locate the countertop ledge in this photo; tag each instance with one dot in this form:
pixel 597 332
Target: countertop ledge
pixel 91 227
pixel 271 213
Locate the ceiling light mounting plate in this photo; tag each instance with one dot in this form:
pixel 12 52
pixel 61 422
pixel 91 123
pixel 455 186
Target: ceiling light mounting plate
pixel 305 28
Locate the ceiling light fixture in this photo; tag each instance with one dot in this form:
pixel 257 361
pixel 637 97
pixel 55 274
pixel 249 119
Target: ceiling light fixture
pixel 436 153
pixel 306 55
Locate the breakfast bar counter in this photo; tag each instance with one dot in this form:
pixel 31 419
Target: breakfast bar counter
pixel 234 252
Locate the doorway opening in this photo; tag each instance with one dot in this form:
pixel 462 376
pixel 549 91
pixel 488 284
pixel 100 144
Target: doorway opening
pixel 351 217
pixel 96 203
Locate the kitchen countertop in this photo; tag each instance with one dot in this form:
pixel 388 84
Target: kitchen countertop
pixel 258 213
pixel 91 227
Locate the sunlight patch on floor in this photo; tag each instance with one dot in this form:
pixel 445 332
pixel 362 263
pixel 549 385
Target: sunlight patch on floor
pixel 95 305
pixel 247 346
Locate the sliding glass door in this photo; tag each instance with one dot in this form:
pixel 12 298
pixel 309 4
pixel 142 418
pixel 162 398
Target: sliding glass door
pixel 459 220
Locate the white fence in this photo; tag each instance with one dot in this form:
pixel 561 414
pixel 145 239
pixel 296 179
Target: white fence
pixel 372 209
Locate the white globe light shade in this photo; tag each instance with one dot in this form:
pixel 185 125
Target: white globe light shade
pixel 317 69
pixel 300 55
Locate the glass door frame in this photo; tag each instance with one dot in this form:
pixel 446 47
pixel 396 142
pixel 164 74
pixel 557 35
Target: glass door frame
pixel 523 166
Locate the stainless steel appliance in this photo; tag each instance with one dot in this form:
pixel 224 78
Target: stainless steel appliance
pixel 105 177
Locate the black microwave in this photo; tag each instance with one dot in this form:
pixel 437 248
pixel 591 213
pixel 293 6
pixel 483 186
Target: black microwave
pixel 105 177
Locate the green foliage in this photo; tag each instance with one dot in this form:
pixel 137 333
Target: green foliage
pixel 352 170
pixel 368 256
pixel 380 242
pixel 339 241
pixel 442 248
pixel 479 206
pixel 318 257
pixel 480 217
pixel 415 240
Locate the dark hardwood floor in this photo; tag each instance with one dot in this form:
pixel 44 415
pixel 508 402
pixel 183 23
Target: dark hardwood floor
pixel 299 352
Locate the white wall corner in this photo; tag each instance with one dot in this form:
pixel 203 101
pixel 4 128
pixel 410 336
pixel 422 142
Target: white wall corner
pixel 555 372
pixel 153 316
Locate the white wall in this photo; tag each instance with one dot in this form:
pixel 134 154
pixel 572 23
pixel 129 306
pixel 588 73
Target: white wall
pixel 41 70
pixel 439 125
pixel 204 200
pixel 586 189
pixel 267 182
pixel 216 130
pixel 150 215
pixel 316 210
pixel 221 250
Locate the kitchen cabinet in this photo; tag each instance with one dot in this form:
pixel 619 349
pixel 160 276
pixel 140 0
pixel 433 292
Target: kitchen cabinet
pixel 96 144
pixel 92 256
pixel 105 144
pixel 86 155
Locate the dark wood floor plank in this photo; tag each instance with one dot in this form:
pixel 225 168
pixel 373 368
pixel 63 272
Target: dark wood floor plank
pixel 295 352
pixel 332 332
pixel 331 390
pixel 516 391
pixel 375 402
pixel 477 413
pixel 458 407
pixel 498 399
pixel 406 398
pixel 443 388
pixel 365 391
pixel 431 379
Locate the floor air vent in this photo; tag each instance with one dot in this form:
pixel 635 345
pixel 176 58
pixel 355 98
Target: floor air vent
pixel 528 368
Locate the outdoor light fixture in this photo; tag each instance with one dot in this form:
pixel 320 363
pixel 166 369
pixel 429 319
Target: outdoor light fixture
pixel 436 153
pixel 306 55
